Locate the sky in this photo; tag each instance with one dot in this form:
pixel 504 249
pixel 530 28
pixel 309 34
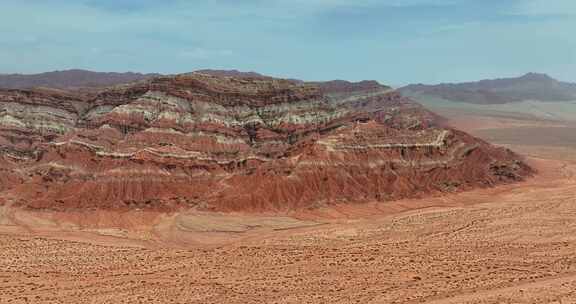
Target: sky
pixel 393 41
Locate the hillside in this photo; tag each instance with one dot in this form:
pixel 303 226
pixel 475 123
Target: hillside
pixel 233 144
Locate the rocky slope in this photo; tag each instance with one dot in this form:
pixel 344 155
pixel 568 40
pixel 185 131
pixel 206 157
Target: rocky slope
pixel 531 86
pixel 233 144
pixel 70 79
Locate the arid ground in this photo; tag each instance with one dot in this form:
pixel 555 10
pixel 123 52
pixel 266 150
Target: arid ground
pixel 511 244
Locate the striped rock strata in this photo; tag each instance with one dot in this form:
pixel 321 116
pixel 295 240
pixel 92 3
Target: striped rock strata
pixel 233 144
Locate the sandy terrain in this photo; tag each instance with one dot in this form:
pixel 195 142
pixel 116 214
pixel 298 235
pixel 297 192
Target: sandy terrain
pixel 512 244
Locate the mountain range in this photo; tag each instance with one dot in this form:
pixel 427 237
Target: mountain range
pixel 532 86
pixel 69 79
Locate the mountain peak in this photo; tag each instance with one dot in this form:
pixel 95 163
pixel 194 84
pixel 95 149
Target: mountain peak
pixel 537 77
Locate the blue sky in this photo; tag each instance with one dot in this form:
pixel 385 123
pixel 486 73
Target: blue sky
pixel 393 41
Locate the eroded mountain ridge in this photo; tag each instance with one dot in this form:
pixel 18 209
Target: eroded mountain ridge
pixel 233 144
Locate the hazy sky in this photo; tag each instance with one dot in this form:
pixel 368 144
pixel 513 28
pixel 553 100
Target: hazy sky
pixel 393 41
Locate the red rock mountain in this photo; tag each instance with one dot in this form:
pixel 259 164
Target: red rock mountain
pixel 233 144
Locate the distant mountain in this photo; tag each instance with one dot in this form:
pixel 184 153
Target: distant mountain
pixel 532 86
pixel 233 73
pixel 69 79
pixel 83 79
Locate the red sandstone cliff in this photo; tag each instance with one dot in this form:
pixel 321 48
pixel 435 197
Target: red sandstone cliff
pixel 226 143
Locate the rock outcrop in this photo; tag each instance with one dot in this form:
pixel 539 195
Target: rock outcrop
pixel 233 144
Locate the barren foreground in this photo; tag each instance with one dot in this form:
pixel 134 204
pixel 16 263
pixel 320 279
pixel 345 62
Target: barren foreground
pixel 512 244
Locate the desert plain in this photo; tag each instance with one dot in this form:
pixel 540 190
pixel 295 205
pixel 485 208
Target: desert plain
pixel 509 244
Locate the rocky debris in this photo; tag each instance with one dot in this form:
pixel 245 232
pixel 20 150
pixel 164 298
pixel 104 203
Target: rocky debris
pixel 234 144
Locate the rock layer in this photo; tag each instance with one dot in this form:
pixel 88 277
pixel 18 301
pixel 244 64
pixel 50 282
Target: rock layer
pixel 234 144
